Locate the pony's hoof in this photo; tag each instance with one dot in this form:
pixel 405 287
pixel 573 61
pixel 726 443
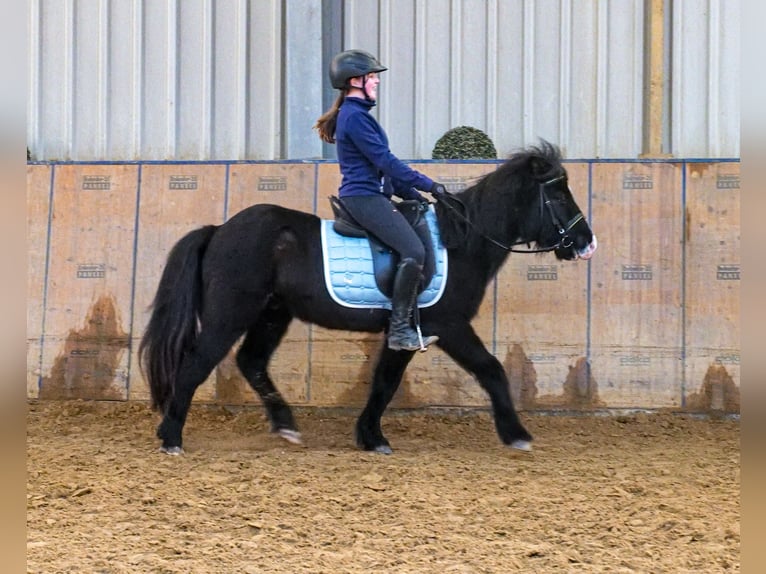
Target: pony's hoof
pixel 522 445
pixel 291 436
pixel 383 449
pixel 172 450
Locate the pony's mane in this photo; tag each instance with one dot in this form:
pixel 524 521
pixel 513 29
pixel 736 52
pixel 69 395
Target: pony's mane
pixel 542 162
pixel 514 177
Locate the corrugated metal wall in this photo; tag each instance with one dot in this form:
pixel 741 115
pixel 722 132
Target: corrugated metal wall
pixel 569 71
pixel 240 79
pixel 706 77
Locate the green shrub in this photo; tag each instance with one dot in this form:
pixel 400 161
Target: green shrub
pixel 464 142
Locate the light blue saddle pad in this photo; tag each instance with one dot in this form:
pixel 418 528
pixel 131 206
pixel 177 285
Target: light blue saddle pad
pixel 348 272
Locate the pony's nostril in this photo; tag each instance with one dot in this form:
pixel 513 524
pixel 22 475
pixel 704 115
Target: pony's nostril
pixel 588 252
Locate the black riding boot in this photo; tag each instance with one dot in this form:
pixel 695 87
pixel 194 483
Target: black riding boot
pixel 401 335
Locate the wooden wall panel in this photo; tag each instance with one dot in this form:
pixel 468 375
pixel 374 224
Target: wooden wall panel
pixel 328 181
pixel 712 287
pixel 87 323
pixel 288 185
pixel 542 322
pixel 341 361
pixel 433 378
pixel 455 176
pixel 651 321
pixel 636 324
pixel 38 204
pixel 341 366
pixel 175 199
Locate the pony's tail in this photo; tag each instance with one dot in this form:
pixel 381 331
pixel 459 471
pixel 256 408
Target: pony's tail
pixel 172 327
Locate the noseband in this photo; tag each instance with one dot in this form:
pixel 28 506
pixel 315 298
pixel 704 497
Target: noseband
pixel 563 229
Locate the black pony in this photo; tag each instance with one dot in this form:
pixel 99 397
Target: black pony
pixel 261 269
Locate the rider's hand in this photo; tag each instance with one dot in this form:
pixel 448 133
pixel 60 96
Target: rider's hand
pixel 438 190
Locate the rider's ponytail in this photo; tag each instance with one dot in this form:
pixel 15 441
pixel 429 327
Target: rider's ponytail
pixel 326 124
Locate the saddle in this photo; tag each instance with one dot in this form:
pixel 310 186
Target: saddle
pixel 384 259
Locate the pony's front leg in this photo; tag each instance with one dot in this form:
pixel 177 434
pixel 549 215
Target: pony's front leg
pixel 464 346
pixel 385 382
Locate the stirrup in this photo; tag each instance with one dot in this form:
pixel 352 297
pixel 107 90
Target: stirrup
pixel 428 340
pixel 421 344
pixel 411 341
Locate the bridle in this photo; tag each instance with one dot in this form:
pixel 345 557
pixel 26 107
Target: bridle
pixel 563 229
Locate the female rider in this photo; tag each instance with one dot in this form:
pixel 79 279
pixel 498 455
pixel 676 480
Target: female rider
pixel 371 175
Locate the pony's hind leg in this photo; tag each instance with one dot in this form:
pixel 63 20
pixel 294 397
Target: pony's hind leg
pixel 209 349
pixel 261 341
pixel 388 375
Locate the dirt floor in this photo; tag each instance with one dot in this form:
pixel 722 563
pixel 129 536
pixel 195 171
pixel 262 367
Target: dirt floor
pixel 637 493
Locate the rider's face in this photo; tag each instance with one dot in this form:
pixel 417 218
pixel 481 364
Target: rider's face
pixel 371 86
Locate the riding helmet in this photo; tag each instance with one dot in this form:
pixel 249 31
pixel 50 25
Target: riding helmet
pixel 350 64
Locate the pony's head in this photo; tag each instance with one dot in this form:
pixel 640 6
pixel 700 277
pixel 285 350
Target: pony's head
pixel 525 201
pixel 550 217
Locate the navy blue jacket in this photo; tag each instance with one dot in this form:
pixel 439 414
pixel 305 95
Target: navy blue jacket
pixel 366 162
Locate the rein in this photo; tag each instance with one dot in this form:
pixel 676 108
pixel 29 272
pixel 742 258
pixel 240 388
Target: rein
pixel 562 229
